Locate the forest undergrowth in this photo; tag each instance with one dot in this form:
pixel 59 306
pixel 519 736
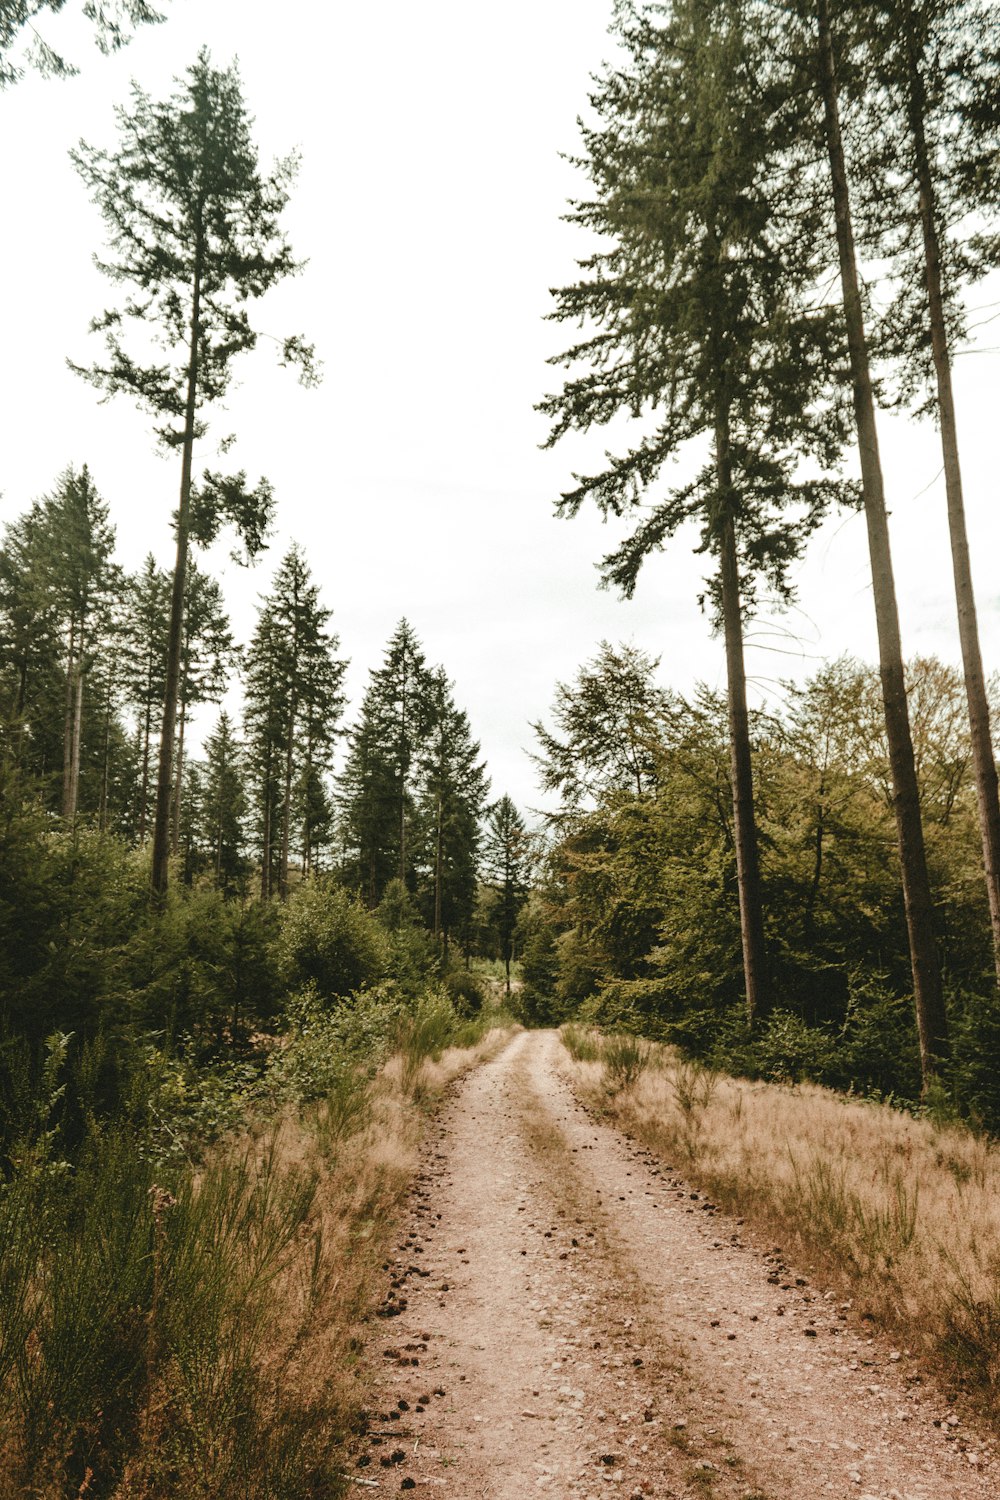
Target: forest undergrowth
pixel 190 1323
pixel 898 1214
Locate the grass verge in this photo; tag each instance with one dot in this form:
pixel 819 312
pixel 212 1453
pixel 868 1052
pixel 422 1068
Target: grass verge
pixel 902 1214
pixel 172 1329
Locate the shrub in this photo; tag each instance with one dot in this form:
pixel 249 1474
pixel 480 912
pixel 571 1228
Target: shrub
pixel 466 991
pixel 328 941
pixel 625 1059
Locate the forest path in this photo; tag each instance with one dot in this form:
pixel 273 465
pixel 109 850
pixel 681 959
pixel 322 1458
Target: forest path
pixel 574 1317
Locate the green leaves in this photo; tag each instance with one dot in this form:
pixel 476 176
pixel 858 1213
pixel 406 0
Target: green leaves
pixel 225 500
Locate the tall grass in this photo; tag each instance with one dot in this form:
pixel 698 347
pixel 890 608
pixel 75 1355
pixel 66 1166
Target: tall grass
pixel 901 1213
pixel 171 1329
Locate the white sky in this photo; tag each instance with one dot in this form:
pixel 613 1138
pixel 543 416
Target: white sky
pixel 428 206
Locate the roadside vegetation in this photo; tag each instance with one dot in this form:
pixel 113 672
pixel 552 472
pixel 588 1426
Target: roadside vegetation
pixel 896 1213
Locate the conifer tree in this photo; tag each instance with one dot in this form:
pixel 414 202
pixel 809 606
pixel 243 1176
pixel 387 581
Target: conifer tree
pixel 378 782
pixel 113 22
pixel 702 320
pixel 506 869
pixel 452 786
pixel 607 728
pixel 208 656
pixel 146 623
pixel 83 581
pixel 194 232
pixel 932 1023
pixel 29 638
pixel 224 803
pixel 294 701
pixel 937 63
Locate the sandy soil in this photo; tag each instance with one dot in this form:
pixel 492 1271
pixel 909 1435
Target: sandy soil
pixel 565 1314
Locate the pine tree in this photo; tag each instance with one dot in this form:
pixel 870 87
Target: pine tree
pixel 146 623
pixel 294 702
pixel 506 869
pixel 208 657
pixel 704 308
pixel 378 782
pixel 29 639
pixel 938 64
pixel 58 581
pixel 932 1022
pixel 224 804
pixel 194 229
pixel 451 793
pixel 83 581
pixel 608 725
pixel 113 22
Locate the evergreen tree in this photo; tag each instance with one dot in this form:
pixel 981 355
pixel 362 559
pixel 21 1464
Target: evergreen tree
pixel 937 62
pixel 932 1022
pixel 208 656
pixel 703 302
pixel 224 804
pixel 194 228
pixel 146 623
pixel 608 723
pixel 452 787
pixel 29 641
pixel 113 21
pixel 83 582
pixel 294 701
pixel 57 586
pixel 506 869
pixel 378 781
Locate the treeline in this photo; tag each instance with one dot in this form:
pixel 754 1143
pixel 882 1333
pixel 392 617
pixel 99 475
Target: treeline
pixel 636 919
pixel 83 655
pixel 791 202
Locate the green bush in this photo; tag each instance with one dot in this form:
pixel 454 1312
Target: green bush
pixel 466 991
pixel 330 942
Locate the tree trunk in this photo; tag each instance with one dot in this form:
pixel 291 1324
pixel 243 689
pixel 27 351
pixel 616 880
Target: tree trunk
pixel 932 1025
pixel 984 764
pixel 745 828
pixel 265 850
pixel 74 759
pixel 68 720
pixel 164 782
pixel 144 792
pixel 286 810
pixel 102 810
pixel 178 787
pixel 438 861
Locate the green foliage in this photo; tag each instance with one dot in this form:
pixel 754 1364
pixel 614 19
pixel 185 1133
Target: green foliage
pixel 119 1272
pixel 465 990
pixel 330 942
pixel 322 1045
pixel 625 1058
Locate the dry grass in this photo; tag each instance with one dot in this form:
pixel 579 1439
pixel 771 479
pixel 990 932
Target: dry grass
pixel 243 1375
pixel 901 1213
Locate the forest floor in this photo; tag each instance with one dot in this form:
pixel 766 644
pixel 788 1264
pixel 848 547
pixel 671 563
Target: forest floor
pixel 565 1316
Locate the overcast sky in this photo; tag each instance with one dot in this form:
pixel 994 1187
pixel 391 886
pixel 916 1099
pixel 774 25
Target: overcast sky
pixel 428 206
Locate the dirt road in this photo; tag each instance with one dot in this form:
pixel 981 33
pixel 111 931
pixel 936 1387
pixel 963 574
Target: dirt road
pixel 566 1317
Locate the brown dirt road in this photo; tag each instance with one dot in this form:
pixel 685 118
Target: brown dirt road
pixel 574 1321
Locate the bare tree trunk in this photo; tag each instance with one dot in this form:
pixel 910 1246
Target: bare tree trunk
pixel 286 811
pixel 744 822
pixel 438 872
pixel 68 720
pixel 932 1023
pixel 983 761
pixel 74 760
pixel 164 782
pixel 175 817
pixel 265 851
pixel 102 811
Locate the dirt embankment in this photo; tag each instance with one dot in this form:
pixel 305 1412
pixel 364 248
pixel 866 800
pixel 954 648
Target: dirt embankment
pixel 564 1314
